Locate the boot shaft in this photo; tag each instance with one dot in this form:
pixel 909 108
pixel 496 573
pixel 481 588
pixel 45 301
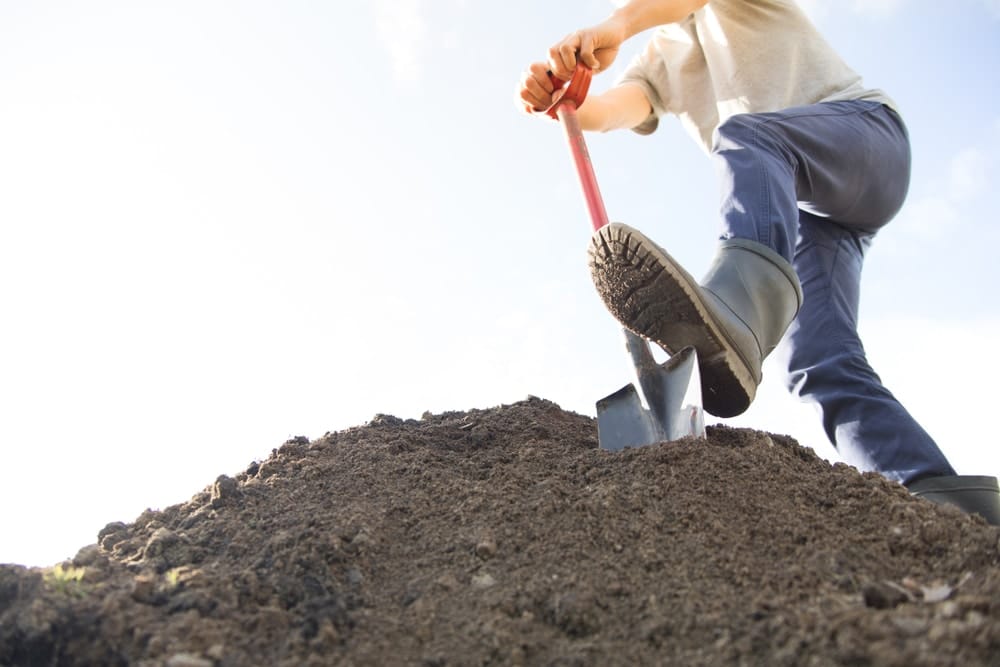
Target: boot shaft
pixel 757 290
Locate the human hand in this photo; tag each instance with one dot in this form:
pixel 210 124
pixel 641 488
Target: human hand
pixel 536 92
pixel 596 46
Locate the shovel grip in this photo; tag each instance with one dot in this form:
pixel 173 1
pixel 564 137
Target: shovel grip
pixel 575 92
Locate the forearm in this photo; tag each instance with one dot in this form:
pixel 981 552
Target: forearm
pixel 639 15
pixel 620 108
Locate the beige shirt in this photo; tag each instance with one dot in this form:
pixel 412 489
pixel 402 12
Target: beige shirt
pixel 740 56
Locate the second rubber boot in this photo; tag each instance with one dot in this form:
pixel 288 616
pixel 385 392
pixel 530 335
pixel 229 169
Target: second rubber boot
pixel 734 318
pixel 973 494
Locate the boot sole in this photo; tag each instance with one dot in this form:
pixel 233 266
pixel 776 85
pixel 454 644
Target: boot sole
pixel 654 297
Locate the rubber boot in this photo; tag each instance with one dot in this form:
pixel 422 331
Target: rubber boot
pixel 734 318
pixel 973 494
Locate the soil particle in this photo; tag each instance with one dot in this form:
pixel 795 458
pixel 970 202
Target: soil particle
pixel 506 537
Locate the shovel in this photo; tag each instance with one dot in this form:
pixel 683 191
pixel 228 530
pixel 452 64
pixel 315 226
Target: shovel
pixel 664 401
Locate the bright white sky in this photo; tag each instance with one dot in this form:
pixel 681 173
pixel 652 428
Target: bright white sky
pixel 224 224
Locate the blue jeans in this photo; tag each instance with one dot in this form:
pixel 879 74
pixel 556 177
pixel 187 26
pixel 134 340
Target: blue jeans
pixel 816 183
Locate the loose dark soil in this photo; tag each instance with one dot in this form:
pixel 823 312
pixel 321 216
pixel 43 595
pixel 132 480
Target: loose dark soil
pixel 506 537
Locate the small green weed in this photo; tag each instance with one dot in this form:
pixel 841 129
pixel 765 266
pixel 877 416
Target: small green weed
pixel 68 580
pixel 173 578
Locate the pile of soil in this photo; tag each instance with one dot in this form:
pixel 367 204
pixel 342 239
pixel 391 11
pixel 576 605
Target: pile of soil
pixel 507 537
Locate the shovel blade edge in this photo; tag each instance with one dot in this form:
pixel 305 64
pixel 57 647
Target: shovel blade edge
pixel 665 407
pixel 623 422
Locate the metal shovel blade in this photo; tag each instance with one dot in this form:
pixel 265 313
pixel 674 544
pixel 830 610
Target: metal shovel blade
pixel 663 404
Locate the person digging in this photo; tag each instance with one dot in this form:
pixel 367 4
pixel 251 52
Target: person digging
pixel 812 164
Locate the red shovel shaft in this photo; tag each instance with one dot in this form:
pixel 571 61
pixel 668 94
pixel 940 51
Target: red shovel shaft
pixel 566 112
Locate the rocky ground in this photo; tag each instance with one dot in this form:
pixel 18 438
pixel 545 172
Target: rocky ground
pixel 506 537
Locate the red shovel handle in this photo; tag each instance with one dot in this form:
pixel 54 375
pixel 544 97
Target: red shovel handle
pixel 564 110
pixel 576 92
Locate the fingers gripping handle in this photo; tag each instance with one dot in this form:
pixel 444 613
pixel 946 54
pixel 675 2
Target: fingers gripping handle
pixel 576 92
pixel 565 111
